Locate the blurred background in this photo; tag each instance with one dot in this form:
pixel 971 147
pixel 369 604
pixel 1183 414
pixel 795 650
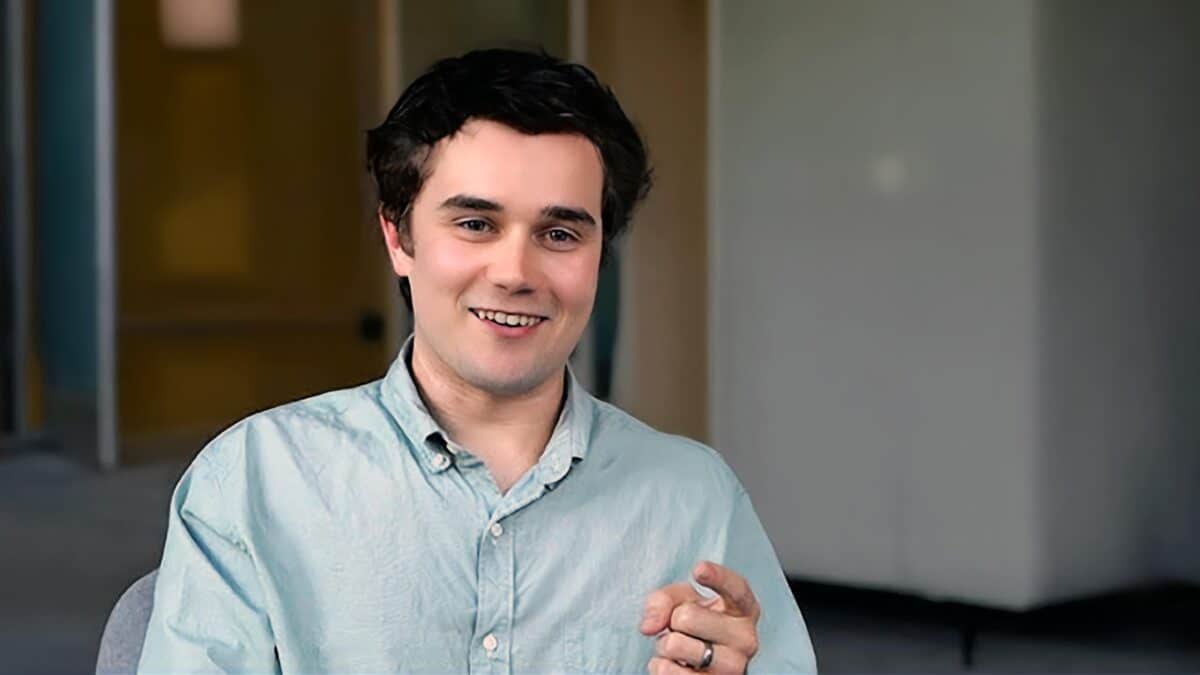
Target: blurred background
pixel 924 271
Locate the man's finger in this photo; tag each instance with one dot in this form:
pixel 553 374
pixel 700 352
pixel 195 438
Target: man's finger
pixel 663 666
pixel 679 647
pixel 732 587
pixel 687 651
pixel 717 627
pixel 660 604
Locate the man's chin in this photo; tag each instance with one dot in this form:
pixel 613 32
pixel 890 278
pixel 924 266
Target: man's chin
pixel 509 382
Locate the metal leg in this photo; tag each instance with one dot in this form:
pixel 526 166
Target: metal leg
pixel 967 634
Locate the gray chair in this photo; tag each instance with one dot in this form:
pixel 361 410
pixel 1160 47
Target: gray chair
pixel 121 644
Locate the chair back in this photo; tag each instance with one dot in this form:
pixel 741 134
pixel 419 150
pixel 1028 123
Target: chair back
pixel 121 644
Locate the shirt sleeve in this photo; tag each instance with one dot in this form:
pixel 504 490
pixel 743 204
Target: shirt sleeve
pixel 784 644
pixel 208 611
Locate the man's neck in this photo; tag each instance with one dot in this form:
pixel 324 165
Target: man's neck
pixel 508 433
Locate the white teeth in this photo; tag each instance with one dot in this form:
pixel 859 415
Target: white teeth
pixel 506 319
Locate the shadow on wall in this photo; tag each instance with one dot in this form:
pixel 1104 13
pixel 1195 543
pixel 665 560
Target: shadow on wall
pixel 1117 214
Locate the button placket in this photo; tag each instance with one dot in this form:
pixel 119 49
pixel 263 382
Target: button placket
pixel 504 548
pixel 493 620
pixel 497 579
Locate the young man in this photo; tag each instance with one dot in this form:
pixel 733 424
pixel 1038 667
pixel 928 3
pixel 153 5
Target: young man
pixel 476 510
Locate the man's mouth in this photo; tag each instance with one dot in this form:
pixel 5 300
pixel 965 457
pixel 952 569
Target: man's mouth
pixel 511 319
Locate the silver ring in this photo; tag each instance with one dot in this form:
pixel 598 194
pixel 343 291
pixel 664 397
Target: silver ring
pixel 707 659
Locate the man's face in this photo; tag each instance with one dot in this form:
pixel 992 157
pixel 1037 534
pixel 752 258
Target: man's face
pixel 505 242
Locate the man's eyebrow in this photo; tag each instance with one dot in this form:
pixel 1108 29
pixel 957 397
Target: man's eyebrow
pixel 471 203
pixel 568 214
pixel 556 212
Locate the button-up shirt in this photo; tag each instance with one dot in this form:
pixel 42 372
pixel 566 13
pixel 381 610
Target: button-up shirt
pixel 346 533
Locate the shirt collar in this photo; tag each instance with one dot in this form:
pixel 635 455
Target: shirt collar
pixel 568 441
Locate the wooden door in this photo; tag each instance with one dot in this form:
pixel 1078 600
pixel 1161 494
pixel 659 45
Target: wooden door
pixel 250 273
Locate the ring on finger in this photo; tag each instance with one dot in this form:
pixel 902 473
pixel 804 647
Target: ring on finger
pixel 707 659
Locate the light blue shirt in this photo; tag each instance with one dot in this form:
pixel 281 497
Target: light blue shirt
pixel 343 534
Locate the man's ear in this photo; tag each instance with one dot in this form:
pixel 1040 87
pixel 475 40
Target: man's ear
pixel 401 260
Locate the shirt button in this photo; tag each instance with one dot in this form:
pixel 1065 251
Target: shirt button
pixel 497 530
pixel 441 461
pixel 490 642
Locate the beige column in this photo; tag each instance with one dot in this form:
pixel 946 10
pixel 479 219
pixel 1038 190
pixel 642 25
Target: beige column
pixel 654 55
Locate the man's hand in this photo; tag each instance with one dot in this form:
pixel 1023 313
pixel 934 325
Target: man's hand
pixel 729 621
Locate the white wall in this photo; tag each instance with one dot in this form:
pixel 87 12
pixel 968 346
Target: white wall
pixel 875 286
pixel 917 369
pixel 1119 348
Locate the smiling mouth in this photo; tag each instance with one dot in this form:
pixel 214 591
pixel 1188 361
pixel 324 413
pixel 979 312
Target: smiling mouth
pixel 511 320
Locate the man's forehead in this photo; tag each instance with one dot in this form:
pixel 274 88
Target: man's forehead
pixel 496 162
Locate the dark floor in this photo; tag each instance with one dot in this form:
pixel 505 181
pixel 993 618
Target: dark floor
pixel 1153 630
pixel 72 539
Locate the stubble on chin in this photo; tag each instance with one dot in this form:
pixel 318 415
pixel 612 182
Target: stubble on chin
pixel 508 384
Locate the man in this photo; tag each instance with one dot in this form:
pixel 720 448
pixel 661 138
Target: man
pixel 476 510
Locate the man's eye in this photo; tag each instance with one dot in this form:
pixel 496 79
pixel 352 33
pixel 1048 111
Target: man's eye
pixel 475 225
pixel 561 236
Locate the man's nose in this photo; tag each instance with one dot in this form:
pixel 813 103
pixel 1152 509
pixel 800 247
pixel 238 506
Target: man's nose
pixel 512 268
